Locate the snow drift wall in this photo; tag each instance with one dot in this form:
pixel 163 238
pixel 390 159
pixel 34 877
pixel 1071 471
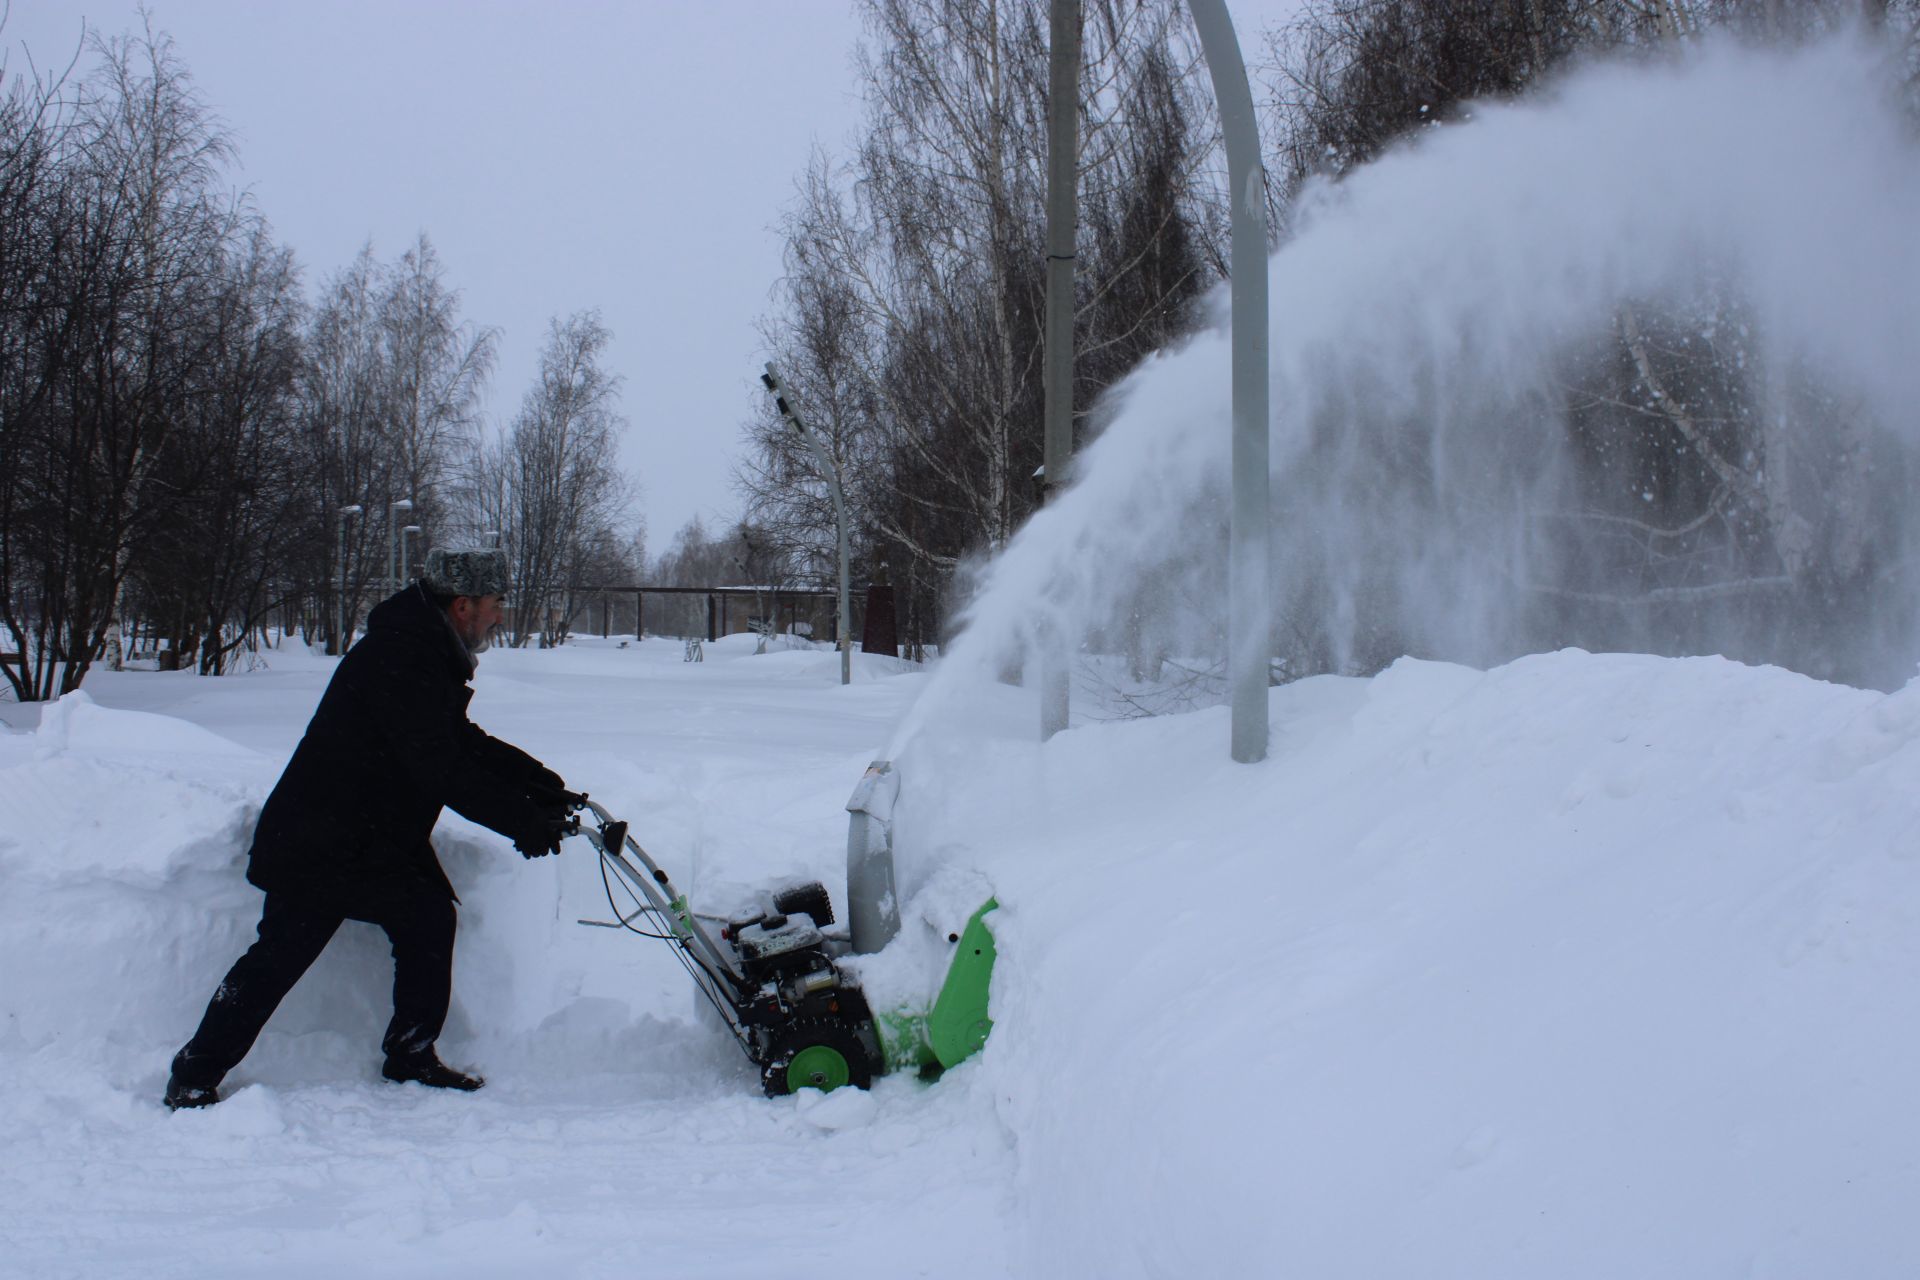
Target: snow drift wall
pixel 1582 967
pixel 123 900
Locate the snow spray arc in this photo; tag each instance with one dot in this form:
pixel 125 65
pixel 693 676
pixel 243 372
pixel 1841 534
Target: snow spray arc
pixel 1436 316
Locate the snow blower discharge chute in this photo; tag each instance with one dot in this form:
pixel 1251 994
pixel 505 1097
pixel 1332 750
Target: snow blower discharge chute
pixel 784 980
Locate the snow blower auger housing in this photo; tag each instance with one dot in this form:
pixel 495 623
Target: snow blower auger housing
pixel 771 974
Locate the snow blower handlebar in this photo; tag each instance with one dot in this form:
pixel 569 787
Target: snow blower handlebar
pixel 622 854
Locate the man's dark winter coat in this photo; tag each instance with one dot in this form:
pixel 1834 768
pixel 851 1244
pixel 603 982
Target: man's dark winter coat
pixel 389 746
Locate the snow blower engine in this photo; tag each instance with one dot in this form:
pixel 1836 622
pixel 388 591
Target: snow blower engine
pixel 778 975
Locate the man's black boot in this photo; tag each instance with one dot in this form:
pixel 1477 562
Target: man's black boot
pixel 180 1095
pixel 430 1071
pixel 189 1083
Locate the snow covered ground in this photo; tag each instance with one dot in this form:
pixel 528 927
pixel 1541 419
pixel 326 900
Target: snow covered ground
pixel 1587 966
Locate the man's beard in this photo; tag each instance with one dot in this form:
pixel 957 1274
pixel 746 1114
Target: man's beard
pixel 477 638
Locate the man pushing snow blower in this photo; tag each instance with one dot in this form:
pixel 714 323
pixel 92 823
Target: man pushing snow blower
pixel 344 835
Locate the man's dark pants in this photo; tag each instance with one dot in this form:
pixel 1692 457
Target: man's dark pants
pixel 418 918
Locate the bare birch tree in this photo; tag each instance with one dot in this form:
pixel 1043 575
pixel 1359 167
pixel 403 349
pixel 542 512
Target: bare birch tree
pixel 126 232
pixel 557 476
pixel 435 367
pixel 340 388
pixel 912 307
pixel 228 553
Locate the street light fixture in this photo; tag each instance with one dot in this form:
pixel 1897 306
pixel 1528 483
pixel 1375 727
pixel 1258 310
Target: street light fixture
pixel 828 467
pixel 492 536
pixel 412 528
pixel 393 540
pixel 340 600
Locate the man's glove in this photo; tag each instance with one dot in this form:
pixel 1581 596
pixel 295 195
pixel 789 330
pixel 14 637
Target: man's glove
pixel 542 836
pixel 556 796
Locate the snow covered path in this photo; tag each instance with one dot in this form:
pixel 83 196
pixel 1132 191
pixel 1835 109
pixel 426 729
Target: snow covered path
pixel 662 1168
pixel 617 1133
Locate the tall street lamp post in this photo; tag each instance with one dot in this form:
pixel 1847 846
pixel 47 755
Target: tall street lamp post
pixel 393 541
pixel 1063 157
pixel 340 600
pixel 1249 590
pixel 831 470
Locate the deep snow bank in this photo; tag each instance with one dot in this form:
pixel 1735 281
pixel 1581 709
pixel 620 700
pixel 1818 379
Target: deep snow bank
pixel 1584 966
pixel 123 899
pixel 118 828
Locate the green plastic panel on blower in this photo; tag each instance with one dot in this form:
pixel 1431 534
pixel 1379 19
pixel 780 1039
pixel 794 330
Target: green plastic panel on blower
pixel 957 1025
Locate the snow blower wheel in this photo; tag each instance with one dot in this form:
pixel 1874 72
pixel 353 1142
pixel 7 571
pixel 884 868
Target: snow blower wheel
pixel 815 1055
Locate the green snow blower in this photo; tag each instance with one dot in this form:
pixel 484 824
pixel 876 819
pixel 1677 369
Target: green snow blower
pixel 788 985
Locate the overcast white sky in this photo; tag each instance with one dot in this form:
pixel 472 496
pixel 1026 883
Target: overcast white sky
pixel 631 156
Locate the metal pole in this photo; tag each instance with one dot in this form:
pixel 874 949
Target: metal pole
pixel 340 600
pixel 831 470
pixel 393 541
pixel 846 588
pixel 412 528
pixel 340 595
pixel 1249 607
pixel 1063 154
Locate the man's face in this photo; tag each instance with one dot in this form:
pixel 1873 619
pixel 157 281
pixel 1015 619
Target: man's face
pixel 474 617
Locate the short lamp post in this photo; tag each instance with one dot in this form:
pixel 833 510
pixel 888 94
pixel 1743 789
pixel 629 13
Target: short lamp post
pixel 340 600
pixel 393 540
pixel 412 528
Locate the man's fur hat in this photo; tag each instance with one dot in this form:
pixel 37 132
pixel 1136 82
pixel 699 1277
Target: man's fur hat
pixel 465 573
